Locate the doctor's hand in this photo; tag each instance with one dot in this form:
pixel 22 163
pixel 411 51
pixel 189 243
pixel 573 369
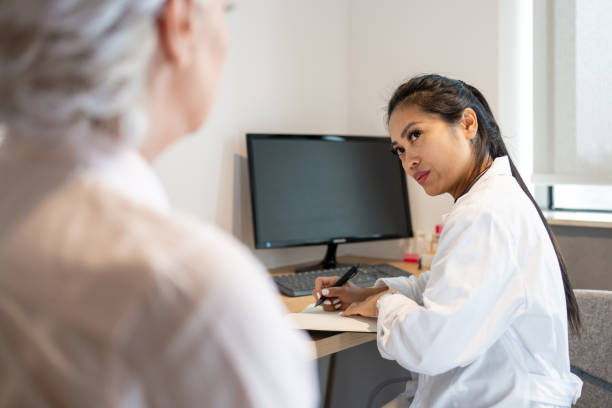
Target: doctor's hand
pixel 339 298
pixel 367 307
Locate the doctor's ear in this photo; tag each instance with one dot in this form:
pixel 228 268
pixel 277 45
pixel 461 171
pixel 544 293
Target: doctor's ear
pixel 469 123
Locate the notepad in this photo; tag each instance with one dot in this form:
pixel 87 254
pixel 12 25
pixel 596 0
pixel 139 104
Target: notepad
pixel 315 318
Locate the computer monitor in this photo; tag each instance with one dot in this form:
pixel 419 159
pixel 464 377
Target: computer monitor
pixel 325 189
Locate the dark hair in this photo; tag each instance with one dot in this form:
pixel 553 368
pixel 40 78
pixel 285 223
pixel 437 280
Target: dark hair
pixel 448 98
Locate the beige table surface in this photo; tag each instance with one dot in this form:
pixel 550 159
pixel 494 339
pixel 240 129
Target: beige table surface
pixel 327 343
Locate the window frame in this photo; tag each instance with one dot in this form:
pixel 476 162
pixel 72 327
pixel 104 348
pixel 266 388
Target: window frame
pixel 550 205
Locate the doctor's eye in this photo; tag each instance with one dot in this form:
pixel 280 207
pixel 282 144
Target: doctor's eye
pixel 414 135
pixel 398 151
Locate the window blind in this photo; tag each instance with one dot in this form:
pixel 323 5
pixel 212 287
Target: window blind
pixel 572 92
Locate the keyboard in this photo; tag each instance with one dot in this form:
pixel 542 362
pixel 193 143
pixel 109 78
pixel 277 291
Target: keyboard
pixel 303 283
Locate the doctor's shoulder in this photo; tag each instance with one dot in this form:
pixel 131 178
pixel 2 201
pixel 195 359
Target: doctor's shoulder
pixel 501 211
pixel 502 198
pixel 493 199
pixel 482 222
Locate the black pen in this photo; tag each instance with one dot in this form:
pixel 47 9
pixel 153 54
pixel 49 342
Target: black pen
pixel 345 278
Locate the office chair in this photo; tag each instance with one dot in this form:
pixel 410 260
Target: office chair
pixel 591 352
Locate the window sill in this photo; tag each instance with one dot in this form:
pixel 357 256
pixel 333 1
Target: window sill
pixel 579 219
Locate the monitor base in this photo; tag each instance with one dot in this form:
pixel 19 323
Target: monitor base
pixel 329 262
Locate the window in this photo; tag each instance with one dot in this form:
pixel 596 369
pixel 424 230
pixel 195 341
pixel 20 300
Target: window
pixel 581 197
pixel 573 103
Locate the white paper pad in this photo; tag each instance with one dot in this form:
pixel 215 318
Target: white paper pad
pixel 315 318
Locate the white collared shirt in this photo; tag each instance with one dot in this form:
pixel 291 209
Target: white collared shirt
pixel 108 298
pixel 487 325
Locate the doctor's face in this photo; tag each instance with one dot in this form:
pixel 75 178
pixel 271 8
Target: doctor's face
pixel 436 154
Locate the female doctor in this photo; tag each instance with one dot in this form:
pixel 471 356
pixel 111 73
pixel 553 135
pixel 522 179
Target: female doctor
pixel 487 326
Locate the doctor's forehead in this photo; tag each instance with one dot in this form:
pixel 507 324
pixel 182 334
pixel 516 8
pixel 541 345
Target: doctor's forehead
pixel 405 118
pixel 405 114
pixel 402 121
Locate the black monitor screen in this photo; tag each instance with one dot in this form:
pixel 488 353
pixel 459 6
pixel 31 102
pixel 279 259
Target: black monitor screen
pixel 308 190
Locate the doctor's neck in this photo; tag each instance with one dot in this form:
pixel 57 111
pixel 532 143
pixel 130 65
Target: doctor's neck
pixel 474 175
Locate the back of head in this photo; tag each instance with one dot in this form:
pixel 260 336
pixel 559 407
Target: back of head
pixel 75 72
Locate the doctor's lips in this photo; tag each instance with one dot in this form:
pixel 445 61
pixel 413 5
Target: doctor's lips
pixel 421 176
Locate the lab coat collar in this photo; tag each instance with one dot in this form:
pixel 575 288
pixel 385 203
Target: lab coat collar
pixel 128 172
pixel 499 167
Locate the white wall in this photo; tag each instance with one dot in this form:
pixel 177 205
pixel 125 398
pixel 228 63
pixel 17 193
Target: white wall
pixel 516 80
pixel 286 72
pixel 324 66
pixel 393 40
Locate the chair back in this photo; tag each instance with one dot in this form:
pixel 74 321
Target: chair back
pixel 591 351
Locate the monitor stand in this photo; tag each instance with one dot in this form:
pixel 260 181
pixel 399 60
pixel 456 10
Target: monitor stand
pixel 328 262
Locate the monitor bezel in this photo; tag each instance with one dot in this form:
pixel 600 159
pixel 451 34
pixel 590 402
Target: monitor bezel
pixel 250 137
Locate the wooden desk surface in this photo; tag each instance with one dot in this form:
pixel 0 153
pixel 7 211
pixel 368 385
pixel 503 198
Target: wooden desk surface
pixel 327 343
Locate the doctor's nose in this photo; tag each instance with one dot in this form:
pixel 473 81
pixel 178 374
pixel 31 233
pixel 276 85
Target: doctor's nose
pixel 410 163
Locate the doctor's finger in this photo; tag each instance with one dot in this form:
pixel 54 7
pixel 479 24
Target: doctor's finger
pixel 340 305
pixel 328 306
pixel 335 291
pixel 324 282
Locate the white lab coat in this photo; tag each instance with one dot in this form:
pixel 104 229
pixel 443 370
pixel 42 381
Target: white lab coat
pixel 109 299
pixel 487 325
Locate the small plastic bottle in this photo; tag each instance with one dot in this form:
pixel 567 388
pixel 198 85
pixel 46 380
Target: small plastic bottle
pixel 420 242
pixel 410 254
pixel 435 238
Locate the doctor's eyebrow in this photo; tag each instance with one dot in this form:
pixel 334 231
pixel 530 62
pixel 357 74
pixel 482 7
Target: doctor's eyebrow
pixel 404 133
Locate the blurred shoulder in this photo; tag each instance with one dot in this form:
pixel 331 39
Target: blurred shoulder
pixel 175 243
pixel 88 229
pixel 189 270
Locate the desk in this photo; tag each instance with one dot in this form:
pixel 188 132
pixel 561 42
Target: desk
pixel 326 343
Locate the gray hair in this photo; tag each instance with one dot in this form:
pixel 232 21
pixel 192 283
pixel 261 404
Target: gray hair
pixel 75 71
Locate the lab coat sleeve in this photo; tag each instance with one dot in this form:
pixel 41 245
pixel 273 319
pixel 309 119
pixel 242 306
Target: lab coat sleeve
pixel 411 287
pixel 473 293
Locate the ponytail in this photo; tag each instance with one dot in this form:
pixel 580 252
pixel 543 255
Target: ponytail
pixel 573 314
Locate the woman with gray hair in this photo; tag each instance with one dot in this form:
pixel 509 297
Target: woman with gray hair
pixel 107 297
